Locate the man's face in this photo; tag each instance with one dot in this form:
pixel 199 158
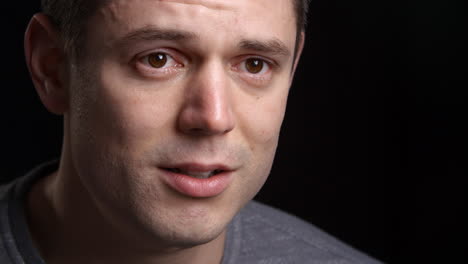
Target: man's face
pixel 173 90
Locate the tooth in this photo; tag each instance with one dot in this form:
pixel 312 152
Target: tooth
pixel 201 175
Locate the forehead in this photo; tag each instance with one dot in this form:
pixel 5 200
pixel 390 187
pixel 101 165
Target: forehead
pixel 216 19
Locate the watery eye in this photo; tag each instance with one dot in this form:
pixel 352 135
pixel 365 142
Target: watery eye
pixel 254 65
pixel 157 60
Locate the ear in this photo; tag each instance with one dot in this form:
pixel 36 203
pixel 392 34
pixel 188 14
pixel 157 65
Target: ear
pixel 45 59
pixel 299 49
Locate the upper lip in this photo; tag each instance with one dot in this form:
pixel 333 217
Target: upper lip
pixel 198 167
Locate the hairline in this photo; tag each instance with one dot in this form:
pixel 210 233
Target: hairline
pixel 74 43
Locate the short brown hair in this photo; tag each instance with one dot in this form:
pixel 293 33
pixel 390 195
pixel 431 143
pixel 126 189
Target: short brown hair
pixel 70 18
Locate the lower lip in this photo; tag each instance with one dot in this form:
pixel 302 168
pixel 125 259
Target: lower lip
pixel 197 188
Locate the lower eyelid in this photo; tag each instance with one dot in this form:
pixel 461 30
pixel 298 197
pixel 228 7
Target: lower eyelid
pixel 148 71
pixel 143 66
pixel 256 79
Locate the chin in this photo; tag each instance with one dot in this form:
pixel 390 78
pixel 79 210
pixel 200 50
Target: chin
pixel 193 239
pixel 186 233
pixel 179 224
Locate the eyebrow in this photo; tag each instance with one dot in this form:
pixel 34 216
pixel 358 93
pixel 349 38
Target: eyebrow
pixel 151 34
pixel 273 46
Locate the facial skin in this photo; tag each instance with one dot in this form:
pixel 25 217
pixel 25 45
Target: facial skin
pixel 162 83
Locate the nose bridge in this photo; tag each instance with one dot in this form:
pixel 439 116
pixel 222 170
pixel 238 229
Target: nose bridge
pixel 207 108
pixel 209 89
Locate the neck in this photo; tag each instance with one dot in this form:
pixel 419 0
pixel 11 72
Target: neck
pixel 66 227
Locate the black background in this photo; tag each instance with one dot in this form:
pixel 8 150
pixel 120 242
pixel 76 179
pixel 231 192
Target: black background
pixel 373 148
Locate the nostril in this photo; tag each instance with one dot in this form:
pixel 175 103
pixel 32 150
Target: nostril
pixel 207 132
pixel 199 123
pixel 206 114
pixel 199 131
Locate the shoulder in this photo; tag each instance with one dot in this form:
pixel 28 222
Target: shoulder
pixel 274 236
pixel 5 234
pixel 5 189
pixel 11 195
pixel 17 188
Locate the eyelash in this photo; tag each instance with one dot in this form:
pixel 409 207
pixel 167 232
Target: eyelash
pixel 258 78
pixel 143 65
pixel 265 62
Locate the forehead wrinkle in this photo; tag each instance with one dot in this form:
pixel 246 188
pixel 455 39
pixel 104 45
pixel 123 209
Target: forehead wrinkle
pixel 210 4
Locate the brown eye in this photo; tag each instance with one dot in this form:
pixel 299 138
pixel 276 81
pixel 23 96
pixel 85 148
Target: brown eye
pixel 254 65
pixel 157 60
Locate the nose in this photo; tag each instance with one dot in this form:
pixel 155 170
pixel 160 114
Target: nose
pixel 207 108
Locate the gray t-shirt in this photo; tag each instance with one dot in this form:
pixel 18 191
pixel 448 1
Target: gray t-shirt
pixel 257 234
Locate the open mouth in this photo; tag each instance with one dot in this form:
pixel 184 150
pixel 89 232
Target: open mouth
pixel 195 174
pixel 196 179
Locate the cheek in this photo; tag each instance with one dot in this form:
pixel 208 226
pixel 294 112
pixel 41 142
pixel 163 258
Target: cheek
pixel 261 123
pixel 128 116
pixel 132 117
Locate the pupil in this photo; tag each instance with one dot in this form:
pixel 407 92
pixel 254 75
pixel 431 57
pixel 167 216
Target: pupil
pixel 254 65
pixel 157 60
